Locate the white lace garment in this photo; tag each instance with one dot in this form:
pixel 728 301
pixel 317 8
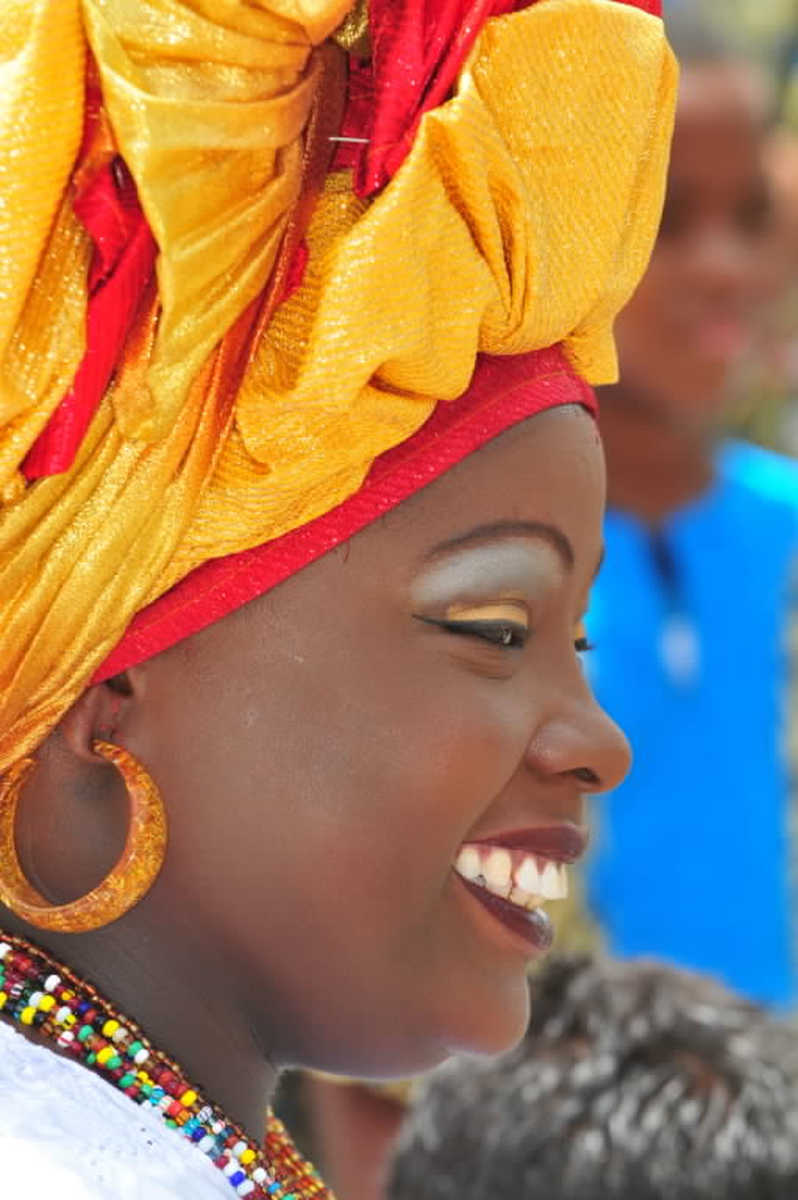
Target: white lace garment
pixel 66 1134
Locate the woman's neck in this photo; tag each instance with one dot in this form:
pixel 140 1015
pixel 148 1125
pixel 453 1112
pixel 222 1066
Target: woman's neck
pixel 655 465
pixel 184 1003
pixel 163 964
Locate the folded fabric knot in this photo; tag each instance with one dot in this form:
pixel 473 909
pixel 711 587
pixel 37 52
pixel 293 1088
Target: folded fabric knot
pixel 514 209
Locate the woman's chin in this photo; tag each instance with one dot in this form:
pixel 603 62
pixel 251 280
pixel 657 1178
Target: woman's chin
pixel 494 1026
pixel 490 1027
pixel 500 1037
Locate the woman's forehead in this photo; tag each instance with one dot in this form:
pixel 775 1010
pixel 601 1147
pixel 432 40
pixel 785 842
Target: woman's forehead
pixel 548 470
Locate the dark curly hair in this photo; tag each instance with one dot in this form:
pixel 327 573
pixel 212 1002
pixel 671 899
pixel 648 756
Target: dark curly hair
pixel 634 1082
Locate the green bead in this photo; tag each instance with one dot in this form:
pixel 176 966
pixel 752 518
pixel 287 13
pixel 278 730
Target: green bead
pixel 113 1062
pixel 126 1080
pixel 134 1048
pixel 84 1032
pixel 91 1060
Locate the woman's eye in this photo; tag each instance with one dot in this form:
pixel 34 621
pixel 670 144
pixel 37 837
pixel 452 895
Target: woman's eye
pixel 498 633
pixel 582 642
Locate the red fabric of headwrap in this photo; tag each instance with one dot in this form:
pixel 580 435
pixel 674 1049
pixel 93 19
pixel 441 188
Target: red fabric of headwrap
pixel 503 392
pixel 123 260
pixel 418 48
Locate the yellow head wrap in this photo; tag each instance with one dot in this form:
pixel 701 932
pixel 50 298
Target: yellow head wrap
pixel 523 216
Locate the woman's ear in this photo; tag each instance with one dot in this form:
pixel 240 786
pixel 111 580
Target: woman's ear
pixel 98 713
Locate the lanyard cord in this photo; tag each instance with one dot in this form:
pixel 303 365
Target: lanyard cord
pixel 679 646
pixel 667 571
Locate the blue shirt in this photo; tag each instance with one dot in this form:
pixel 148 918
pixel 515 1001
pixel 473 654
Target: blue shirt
pixel 691 861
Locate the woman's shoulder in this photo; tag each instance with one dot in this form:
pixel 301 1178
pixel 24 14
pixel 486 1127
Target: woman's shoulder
pixel 66 1132
pixel 772 478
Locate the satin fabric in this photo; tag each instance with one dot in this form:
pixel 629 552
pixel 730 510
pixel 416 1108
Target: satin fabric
pixel 522 217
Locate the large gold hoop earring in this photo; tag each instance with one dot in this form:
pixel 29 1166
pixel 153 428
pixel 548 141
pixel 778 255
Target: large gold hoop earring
pixel 131 878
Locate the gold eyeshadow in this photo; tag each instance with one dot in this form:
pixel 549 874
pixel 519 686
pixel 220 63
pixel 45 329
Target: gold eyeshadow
pixel 510 611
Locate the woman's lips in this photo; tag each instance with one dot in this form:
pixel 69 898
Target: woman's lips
pixel 515 872
pixel 722 339
pixel 714 334
pixel 534 926
pixel 562 843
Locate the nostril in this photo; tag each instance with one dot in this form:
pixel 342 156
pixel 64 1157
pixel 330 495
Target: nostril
pixel 585 775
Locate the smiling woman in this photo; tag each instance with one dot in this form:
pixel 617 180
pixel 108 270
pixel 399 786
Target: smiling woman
pixel 296 540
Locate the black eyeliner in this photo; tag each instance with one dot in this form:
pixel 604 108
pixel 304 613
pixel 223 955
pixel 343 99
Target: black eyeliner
pixel 480 629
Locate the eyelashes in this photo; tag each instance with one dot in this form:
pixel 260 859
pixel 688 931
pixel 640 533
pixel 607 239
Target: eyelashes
pixel 504 634
pixel 507 634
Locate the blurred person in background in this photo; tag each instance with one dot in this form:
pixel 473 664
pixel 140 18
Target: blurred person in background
pixel 769 405
pixel 691 611
pixel 766 30
pixel 767 391
pixel 634 1082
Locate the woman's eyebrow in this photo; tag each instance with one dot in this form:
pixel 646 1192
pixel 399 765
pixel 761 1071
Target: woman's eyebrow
pixel 503 531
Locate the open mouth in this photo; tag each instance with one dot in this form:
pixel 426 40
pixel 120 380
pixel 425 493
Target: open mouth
pixel 514 881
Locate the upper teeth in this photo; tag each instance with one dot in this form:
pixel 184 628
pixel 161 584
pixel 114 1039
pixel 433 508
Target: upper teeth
pixel 524 879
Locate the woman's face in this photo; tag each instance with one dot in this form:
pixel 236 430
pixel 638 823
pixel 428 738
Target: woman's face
pixel 326 753
pixel 691 319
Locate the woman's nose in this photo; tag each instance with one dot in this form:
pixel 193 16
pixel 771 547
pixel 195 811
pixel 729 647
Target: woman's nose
pixel 584 743
pixel 724 262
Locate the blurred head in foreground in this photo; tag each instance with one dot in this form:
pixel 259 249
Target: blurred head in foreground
pixel 634 1082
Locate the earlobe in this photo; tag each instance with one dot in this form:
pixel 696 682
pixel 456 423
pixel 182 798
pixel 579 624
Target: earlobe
pixel 98 713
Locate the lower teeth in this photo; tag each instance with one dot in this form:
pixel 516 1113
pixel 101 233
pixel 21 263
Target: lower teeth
pixel 531 905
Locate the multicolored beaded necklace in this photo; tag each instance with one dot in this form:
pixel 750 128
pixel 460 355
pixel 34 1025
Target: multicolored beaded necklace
pixel 38 992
